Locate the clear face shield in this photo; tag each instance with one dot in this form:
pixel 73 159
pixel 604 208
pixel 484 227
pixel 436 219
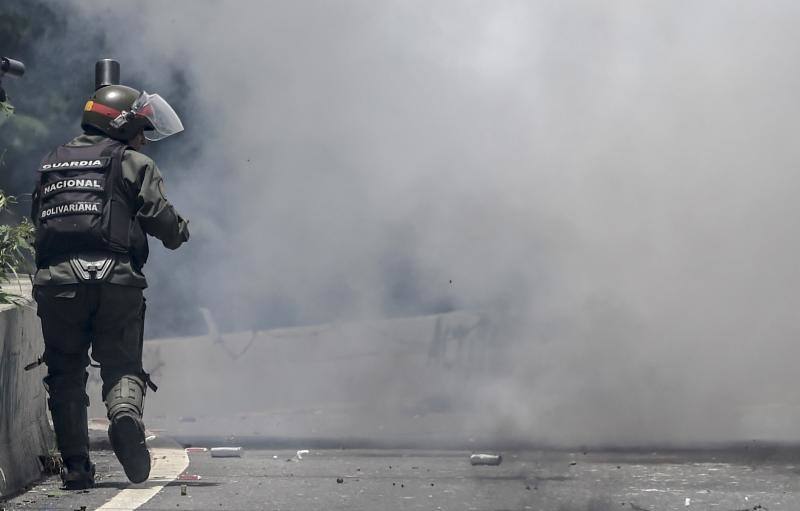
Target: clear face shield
pixel 162 117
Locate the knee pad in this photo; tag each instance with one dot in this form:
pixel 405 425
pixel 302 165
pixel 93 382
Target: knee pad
pixel 69 387
pixel 65 363
pixel 126 397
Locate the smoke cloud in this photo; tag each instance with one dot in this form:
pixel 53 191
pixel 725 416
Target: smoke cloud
pixel 616 181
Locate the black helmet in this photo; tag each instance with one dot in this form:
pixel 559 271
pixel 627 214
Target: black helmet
pixel 107 104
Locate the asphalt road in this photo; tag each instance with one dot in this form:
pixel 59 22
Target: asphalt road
pixel 738 479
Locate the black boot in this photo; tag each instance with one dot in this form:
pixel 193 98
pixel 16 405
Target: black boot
pixel 72 438
pixel 125 404
pixel 77 473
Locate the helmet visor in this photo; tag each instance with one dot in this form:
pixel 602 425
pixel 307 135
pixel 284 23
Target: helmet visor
pixel 162 117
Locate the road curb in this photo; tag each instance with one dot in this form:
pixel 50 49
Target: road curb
pixel 25 433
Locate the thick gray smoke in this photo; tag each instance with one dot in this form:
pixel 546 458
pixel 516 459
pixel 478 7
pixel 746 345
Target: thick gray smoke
pixel 617 178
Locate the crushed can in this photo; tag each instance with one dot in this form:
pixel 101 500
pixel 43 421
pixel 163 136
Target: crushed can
pixel 485 459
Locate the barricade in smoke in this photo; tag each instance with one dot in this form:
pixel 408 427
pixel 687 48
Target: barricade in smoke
pixel 384 379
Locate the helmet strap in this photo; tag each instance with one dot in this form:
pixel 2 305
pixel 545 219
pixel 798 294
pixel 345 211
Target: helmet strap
pixel 122 119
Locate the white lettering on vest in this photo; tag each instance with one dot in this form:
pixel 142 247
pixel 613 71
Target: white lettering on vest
pixel 84 164
pixel 72 208
pixel 74 184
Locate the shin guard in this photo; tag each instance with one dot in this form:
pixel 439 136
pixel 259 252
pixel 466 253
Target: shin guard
pixel 125 405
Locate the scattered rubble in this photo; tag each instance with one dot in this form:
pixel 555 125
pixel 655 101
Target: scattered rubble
pixel 51 464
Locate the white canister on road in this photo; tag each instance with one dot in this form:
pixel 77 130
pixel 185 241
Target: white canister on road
pixel 226 452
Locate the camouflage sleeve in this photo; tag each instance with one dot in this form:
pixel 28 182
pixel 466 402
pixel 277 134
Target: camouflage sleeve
pixel 155 214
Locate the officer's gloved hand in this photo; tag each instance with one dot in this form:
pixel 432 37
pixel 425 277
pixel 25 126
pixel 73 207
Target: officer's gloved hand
pixel 183 229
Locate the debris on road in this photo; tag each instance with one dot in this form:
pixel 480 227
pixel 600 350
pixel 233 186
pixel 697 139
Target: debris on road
pixel 301 453
pixel 184 490
pixel 189 477
pixel 687 502
pixel 196 449
pixel 226 452
pixel 485 459
pixel 188 418
pixel 339 480
pixel 51 464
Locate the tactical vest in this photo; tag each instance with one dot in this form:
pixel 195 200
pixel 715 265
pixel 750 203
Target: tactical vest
pixel 82 205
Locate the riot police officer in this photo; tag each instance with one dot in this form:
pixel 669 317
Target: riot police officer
pixel 96 200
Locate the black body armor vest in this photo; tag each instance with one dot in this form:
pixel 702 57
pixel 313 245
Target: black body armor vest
pixel 82 205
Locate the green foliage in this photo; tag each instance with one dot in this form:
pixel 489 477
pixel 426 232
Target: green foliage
pixel 16 248
pixel 6 111
pixel 16 239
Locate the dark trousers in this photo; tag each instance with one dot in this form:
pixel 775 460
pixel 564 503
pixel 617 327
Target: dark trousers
pixel 109 318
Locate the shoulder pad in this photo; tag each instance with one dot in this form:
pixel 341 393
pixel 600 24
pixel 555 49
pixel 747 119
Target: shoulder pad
pixel 137 159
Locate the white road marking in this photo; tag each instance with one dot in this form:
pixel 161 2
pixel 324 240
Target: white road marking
pixel 168 464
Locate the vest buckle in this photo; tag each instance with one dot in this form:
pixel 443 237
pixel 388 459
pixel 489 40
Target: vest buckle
pixel 91 267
